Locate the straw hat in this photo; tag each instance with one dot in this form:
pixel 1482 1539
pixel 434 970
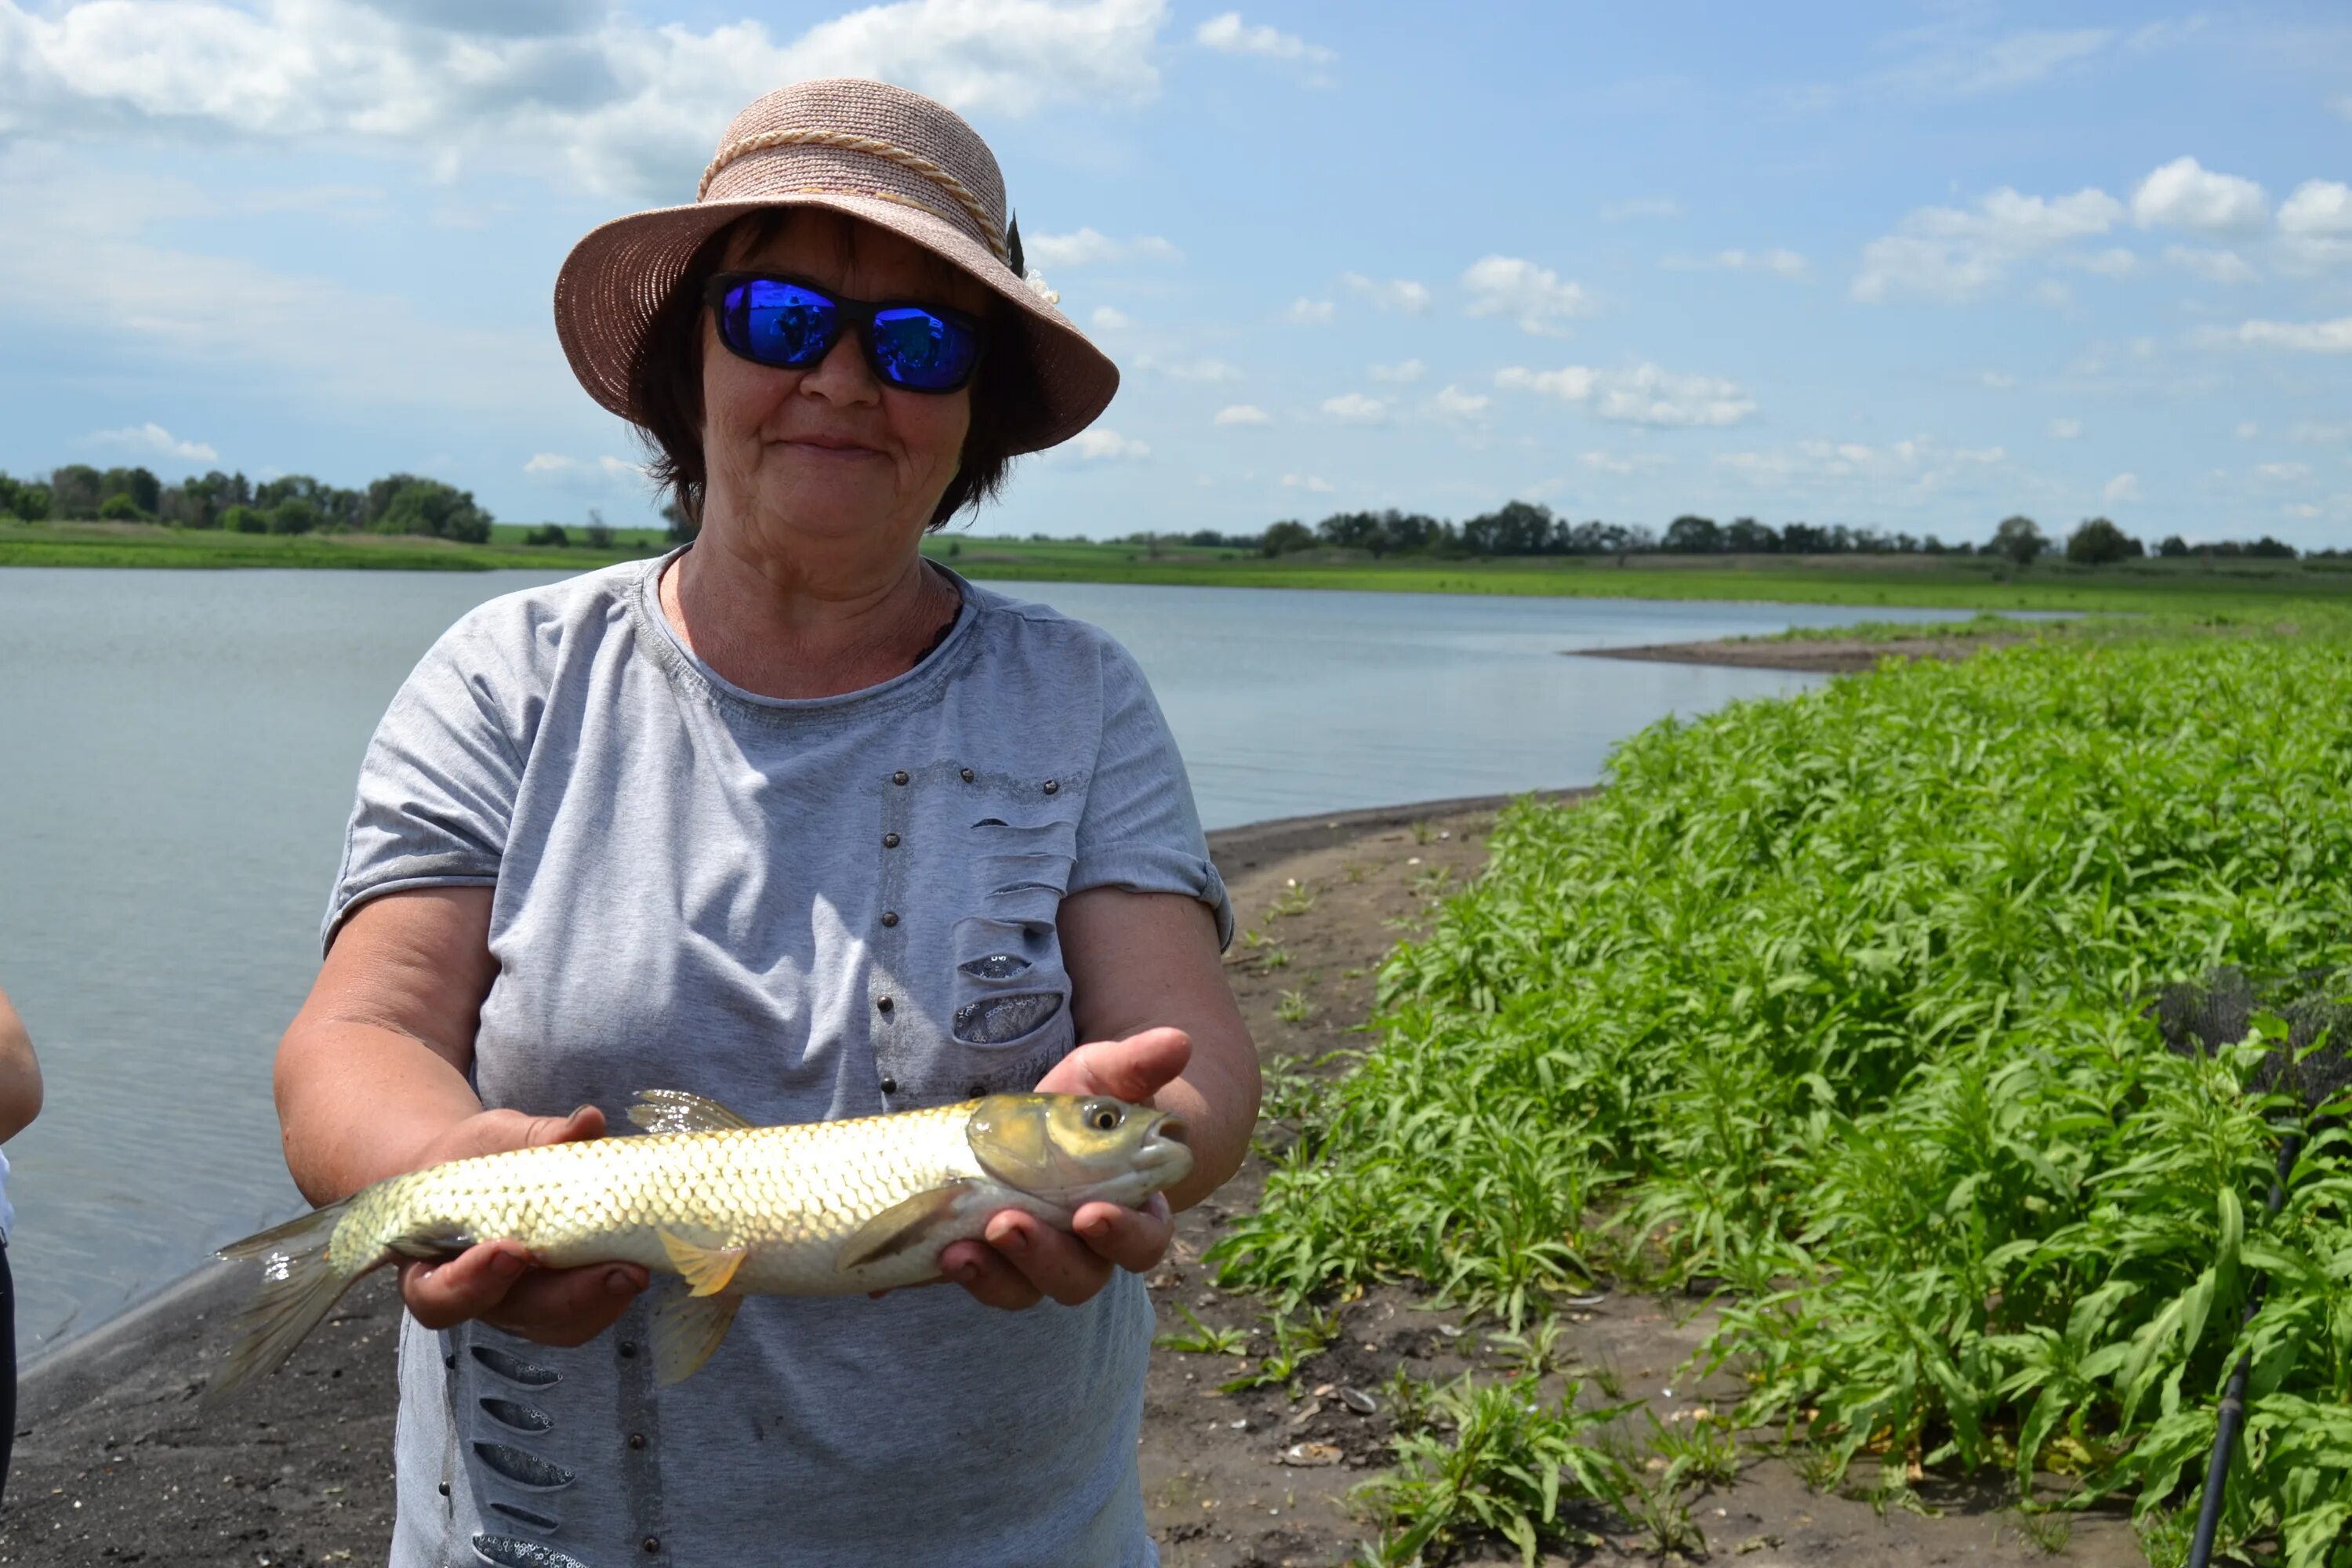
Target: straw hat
pixel 873 151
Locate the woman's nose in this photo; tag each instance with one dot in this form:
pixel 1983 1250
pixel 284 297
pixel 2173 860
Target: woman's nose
pixel 843 376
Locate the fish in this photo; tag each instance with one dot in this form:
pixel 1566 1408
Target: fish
pixel 822 1208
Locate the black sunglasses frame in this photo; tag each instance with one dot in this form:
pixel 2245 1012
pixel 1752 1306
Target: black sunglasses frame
pixel 849 315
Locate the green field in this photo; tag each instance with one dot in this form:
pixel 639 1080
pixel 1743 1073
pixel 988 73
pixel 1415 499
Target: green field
pixel 1842 1009
pixel 1945 582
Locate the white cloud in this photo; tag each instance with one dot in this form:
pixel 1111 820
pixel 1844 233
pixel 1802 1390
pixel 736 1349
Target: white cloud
pixel 1998 379
pixel 2113 262
pixel 1644 395
pixel 1908 472
pixel 92 272
pixel 1230 34
pixel 1641 206
pixel 1396 294
pixel 1952 254
pixel 550 463
pixel 1779 263
pixel 1307 482
pixel 1950 59
pixel 2281 473
pixel 1107 320
pixel 1622 463
pixel 1452 403
pixel 2050 292
pixel 1571 383
pixel 2122 487
pixel 1088 247
pixel 1099 444
pixel 1533 296
pixel 2065 430
pixel 1205 369
pixel 1355 408
pixel 2310 337
pixel 2184 194
pixel 583 91
pixel 2315 225
pixel 152 440
pixel 1400 373
pixel 2247 430
pixel 1242 414
pixel 2320 432
pixel 1648 396
pixel 1305 312
pixel 2213 266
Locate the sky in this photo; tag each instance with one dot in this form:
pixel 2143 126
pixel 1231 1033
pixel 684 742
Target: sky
pixel 1907 267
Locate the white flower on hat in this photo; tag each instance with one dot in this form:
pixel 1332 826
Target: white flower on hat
pixel 1043 290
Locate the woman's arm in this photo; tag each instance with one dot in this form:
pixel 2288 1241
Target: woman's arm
pixel 20 1074
pixel 1148 994
pixel 1139 962
pixel 370 1082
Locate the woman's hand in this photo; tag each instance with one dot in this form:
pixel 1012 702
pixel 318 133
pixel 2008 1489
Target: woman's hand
pixel 496 1281
pixel 1024 1259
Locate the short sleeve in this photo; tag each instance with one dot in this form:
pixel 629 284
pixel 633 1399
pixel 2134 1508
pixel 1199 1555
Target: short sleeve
pixel 1139 830
pixel 437 786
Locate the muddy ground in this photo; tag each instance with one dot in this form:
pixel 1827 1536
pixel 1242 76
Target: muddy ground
pixel 114 1464
pixel 1829 655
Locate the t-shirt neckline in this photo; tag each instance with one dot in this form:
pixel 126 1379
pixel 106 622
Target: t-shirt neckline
pixel 645 605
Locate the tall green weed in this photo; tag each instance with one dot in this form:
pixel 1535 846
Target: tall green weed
pixel 1840 1004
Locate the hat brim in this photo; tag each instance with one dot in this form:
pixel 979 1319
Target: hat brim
pixel 620 273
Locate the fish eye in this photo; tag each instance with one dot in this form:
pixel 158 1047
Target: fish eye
pixel 1105 1118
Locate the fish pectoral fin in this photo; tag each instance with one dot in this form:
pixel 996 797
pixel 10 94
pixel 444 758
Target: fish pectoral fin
pixel 707 1269
pixel 686 1328
pixel 904 1224
pixel 674 1111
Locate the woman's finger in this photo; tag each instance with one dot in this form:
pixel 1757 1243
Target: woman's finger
pixel 568 1306
pixel 1134 1239
pixel 989 1276
pixel 443 1295
pixel 1060 1266
pixel 1133 1070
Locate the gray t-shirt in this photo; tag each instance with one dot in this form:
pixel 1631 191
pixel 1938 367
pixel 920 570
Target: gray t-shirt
pixel 805 910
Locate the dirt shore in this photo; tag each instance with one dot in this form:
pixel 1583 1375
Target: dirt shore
pixel 114 1464
pixel 1826 655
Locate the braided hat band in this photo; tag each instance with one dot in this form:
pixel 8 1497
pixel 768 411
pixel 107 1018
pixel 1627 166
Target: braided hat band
pixel 891 158
pixel 873 146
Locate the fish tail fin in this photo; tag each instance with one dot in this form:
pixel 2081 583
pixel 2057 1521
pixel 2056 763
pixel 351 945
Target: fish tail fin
pixel 299 1285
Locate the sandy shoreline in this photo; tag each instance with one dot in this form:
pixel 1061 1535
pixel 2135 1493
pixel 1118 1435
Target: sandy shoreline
pixel 1820 656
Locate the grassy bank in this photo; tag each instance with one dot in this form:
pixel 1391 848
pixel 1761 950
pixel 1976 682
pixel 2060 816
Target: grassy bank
pixel 148 545
pixel 1942 581
pixel 1841 1006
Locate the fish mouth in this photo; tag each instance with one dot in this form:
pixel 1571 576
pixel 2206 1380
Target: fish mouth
pixel 1166 1148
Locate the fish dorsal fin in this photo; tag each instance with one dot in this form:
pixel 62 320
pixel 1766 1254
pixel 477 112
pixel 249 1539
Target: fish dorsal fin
pixel 706 1269
pixel 674 1111
pixel 686 1328
pixel 903 1226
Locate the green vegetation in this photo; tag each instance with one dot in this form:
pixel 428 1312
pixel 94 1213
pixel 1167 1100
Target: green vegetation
pixel 1841 1006
pixel 148 544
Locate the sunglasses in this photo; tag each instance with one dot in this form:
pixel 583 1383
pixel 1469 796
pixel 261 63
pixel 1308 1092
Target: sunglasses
pixel 791 325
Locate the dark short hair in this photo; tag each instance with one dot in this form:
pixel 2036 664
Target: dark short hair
pixel 665 386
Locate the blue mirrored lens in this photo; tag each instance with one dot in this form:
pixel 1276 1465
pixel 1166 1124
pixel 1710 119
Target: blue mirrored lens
pixel 779 323
pixel 914 348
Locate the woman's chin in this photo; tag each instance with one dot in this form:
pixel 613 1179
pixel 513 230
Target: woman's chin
pixel 845 504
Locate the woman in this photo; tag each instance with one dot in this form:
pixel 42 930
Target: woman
pixel 794 820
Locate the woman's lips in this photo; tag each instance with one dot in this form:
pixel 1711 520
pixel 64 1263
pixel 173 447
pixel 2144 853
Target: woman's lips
pixel 831 446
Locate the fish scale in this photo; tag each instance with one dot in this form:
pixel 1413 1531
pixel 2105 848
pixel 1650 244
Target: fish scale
pixel 815 1209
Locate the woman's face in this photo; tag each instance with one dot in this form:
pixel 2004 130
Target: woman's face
pixel 831 456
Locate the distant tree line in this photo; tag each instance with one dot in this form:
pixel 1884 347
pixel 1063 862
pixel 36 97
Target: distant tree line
pixel 292 503
pixel 1526 528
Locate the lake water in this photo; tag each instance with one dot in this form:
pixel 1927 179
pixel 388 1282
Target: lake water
pixel 178 751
